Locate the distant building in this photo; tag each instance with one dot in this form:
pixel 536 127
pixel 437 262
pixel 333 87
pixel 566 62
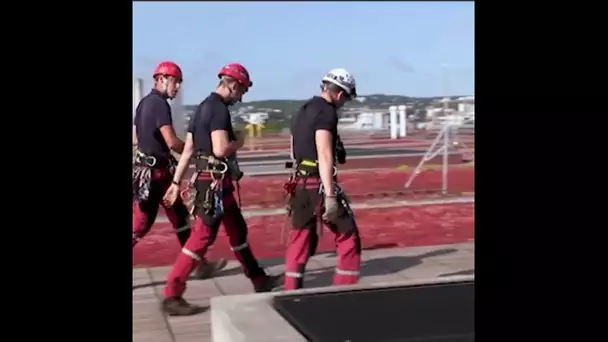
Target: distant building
pixel 138 88
pixel 188 114
pixel 466 105
pixel 431 112
pixel 177 114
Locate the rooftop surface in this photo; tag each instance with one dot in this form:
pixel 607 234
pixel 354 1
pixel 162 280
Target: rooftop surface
pixel 378 266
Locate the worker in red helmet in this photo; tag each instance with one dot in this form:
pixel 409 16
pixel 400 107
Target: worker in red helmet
pixel 210 141
pixel 153 165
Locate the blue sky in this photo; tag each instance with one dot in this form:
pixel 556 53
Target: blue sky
pixel 390 47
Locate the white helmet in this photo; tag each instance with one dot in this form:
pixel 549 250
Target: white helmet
pixel 342 79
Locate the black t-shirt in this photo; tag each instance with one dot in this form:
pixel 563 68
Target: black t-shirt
pixel 314 115
pixel 211 115
pixel 152 113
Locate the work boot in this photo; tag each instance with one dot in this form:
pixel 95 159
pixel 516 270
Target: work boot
pixel 206 270
pixel 269 283
pixel 177 306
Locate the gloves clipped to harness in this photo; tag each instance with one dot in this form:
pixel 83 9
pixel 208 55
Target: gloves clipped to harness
pixel 332 209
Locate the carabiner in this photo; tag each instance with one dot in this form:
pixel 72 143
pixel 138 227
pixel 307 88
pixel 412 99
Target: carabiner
pixel 151 158
pixel 184 194
pixel 212 174
pixel 142 158
pixel 224 170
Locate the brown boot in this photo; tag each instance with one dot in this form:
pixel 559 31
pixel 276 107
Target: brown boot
pixel 206 269
pixel 177 306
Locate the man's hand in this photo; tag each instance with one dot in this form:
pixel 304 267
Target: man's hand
pixel 171 195
pixel 240 138
pixel 331 209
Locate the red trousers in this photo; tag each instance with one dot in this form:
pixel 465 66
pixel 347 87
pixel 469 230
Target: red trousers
pixel 145 212
pixel 303 240
pixel 203 235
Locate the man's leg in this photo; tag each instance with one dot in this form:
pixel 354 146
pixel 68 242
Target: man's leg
pixel 303 238
pixel 301 246
pixel 348 249
pixel 144 212
pixel 209 269
pixel 236 229
pixel 204 232
pixel 144 215
pixel 179 216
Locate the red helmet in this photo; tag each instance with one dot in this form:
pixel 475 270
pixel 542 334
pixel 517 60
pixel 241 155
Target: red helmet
pixel 168 68
pixel 238 72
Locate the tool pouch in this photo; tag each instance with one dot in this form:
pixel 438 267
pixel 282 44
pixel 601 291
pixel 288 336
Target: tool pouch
pixel 204 203
pixel 303 206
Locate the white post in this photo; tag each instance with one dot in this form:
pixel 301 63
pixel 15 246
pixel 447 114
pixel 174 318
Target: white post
pixel 378 120
pixel 402 121
pixel 138 88
pixel 444 164
pixel 392 110
pixel 443 138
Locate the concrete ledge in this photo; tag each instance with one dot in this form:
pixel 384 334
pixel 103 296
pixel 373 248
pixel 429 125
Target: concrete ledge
pixel 251 317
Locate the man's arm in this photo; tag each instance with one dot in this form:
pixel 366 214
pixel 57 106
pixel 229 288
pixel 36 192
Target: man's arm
pixel 184 159
pixel 134 135
pixel 164 122
pixel 292 128
pixel 219 125
pixel 325 124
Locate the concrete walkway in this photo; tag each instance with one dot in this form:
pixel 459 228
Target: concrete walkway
pixel 379 266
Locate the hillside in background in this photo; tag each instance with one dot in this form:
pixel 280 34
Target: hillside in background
pixel 373 101
pixel 280 111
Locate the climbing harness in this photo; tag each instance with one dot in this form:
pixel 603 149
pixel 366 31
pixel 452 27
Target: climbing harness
pixel 213 198
pixel 143 159
pixel 213 204
pixel 301 172
pixel 141 182
pixel 143 165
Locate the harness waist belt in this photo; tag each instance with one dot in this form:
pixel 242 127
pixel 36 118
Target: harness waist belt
pixel 152 161
pixel 209 163
pixel 309 168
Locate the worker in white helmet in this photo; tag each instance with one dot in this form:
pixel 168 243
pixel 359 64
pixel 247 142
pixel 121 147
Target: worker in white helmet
pixel 314 193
